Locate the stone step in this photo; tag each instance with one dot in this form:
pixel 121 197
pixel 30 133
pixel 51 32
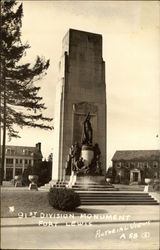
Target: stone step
pixel 59 185
pixel 129 187
pixel 7 184
pixel 116 198
pixel 62 183
pixel 47 185
pixel 111 194
pixel 118 203
pixel 82 187
pixel 92 186
pixel 112 197
pixel 93 189
pixel 93 183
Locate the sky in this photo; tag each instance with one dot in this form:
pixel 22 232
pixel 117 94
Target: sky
pixel 131 38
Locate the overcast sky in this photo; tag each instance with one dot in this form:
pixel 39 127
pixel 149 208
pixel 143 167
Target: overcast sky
pixel 131 38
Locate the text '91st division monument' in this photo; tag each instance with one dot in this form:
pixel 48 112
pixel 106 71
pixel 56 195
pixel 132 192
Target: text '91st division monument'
pixel 80 118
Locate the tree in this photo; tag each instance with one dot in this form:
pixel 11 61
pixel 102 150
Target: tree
pixel 20 103
pixel 50 157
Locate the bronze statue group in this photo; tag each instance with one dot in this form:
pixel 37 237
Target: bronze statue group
pixel 75 161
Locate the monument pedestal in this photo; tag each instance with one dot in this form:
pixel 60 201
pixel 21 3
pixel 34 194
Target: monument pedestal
pixel 87 154
pixel 90 179
pixel 90 184
pixel 81 90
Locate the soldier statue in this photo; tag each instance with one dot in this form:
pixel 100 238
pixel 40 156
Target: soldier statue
pixel 87 131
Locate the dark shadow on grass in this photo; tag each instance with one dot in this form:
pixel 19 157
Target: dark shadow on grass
pixel 89 211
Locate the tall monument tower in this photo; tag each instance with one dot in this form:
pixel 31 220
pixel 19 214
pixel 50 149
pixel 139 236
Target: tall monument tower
pixel 81 90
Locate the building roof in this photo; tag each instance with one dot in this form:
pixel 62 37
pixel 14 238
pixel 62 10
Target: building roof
pixel 23 151
pixel 136 155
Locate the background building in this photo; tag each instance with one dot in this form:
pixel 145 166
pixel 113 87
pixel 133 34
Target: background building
pixel 19 158
pixel 133 166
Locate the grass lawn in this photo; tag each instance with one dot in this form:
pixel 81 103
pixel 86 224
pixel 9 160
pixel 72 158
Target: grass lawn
pixel 26 201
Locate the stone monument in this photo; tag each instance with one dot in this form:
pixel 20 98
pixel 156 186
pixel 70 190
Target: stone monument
pixel 80 118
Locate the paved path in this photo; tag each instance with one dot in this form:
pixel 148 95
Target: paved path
pixel 99 227
pixel 110 236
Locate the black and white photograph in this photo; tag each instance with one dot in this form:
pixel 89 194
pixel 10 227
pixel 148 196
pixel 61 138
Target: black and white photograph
pixel 80 124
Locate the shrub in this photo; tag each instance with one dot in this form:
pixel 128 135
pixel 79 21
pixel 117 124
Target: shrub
pixel 42 169
pixel 63 199
pixel 117 179
pixel 156 185
pixel 45 173
pixel 149 173
pixel 142 182
pixel 25 180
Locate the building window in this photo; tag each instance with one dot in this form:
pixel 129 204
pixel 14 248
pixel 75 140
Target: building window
pixel 141 164
pixel 20 161
pixel 9 161
pixel 25 152
pixel 155 164
pixel 9 174
pixel 16 161
pixel 18 171
pixel 26 161
pixel 146 164
pixel 30 162
pixel 30 152
pixel 118 164
pixel 8 151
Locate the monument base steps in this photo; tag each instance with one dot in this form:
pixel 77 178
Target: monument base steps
pixel 94 195
pixel 7 184
pixel 81 186
pixel 78 186
pixel 116 198
pixel 106 194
